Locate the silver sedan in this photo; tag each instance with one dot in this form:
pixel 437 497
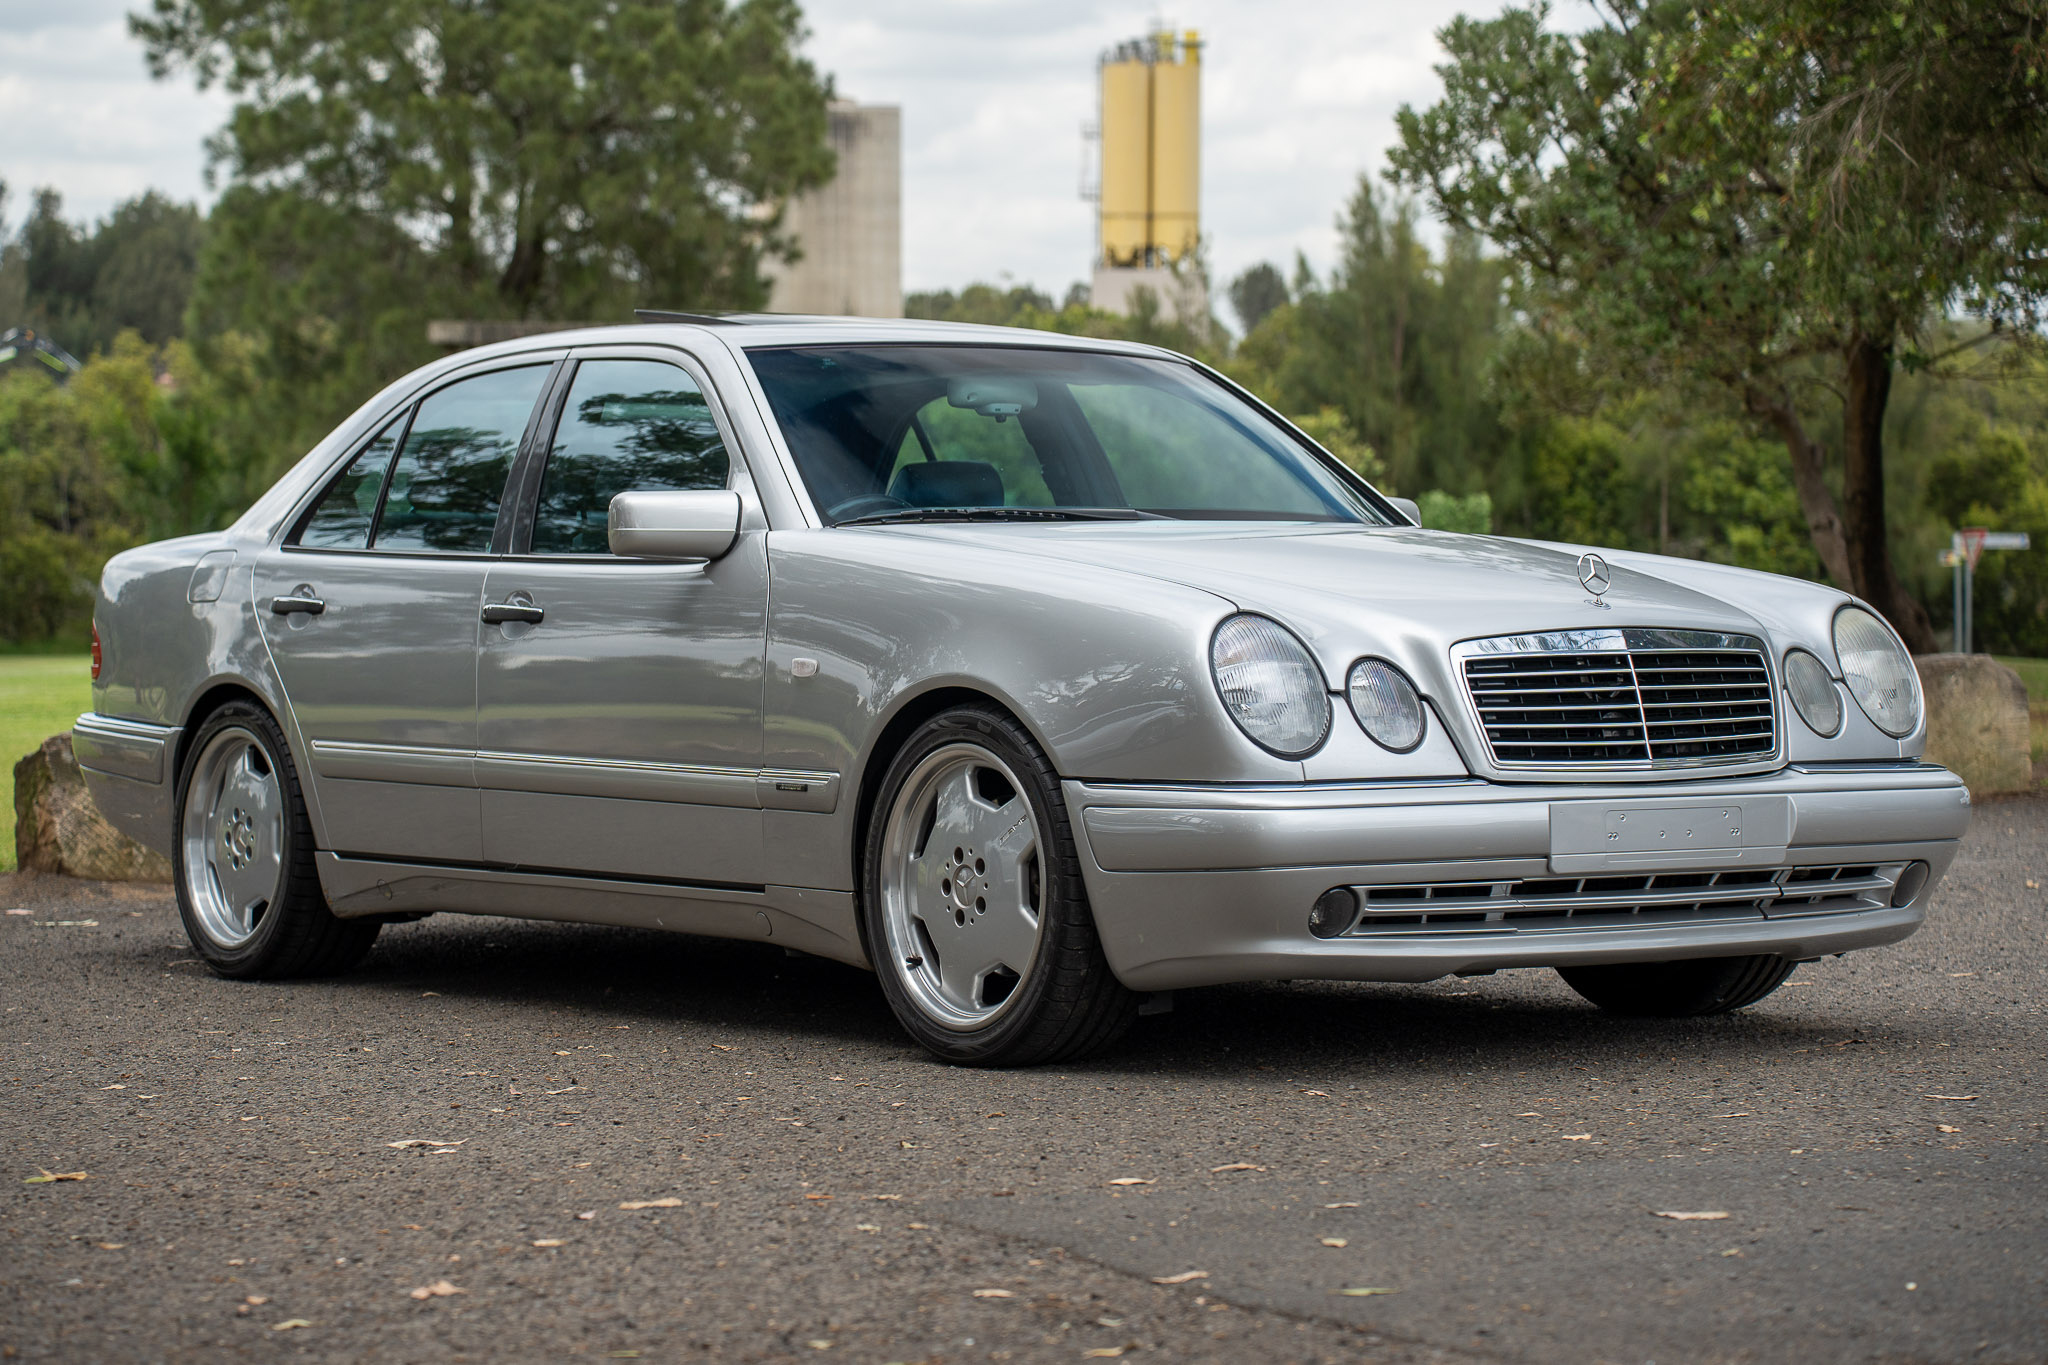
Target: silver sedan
pixel 1042 676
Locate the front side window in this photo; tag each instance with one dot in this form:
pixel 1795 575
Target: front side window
pixel 628 425
pixel 341 519
pixel 450 475
pixel 920 431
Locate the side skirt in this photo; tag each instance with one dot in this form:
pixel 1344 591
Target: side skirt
pixel 821 923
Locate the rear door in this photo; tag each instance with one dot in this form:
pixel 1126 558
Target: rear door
pixel 619 731
pixel 370 606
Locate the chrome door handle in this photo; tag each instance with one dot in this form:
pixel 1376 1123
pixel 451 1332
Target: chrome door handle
pixel 500 613
pixel 300 598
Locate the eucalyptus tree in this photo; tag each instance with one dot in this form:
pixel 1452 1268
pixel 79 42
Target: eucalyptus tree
pixel 1783 198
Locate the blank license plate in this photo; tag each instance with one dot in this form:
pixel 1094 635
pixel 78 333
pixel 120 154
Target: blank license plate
pixel 1601 836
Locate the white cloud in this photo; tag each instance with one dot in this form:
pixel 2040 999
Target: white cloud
pixel 1298 100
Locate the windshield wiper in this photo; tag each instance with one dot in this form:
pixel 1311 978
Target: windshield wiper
pixel 915 514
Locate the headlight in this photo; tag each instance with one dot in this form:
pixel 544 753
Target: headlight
pixel 1878 670
pixel 1270 685
pixel 1386 705
pixel 1813 693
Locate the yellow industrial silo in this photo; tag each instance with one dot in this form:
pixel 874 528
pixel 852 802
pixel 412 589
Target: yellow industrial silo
pixel 1149 210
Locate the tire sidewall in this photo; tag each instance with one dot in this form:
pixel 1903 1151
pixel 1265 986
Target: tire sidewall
pixel 1058 899
pixel 252 957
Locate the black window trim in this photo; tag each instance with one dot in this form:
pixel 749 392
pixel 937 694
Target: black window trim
pixel 532 463
pixel 555 360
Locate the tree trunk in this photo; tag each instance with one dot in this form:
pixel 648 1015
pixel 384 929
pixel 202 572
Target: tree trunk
pixel 1809 478
pixel 1868 366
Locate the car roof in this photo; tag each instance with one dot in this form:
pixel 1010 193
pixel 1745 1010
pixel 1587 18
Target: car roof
pixel 748 331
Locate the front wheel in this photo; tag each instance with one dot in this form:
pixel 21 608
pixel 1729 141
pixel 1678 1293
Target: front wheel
pixel 972 903
pixel 1679 990
pixel 247 888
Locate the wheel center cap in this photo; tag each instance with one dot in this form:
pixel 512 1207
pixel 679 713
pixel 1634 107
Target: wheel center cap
pixel 238 838
pixel 965 884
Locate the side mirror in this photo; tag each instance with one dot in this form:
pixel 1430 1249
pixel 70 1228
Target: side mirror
pixel 1408 508
pixel 668 525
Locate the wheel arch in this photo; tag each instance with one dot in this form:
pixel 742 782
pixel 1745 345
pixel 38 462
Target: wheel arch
pixel 209 699
pixel 908 713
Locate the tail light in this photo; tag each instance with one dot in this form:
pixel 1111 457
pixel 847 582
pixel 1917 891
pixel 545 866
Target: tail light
pixel 95 651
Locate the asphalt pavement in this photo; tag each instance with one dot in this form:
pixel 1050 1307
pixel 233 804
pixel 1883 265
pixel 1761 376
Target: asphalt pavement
pixel 512 1141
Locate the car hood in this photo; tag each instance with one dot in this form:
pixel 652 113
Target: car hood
pixel 1396 591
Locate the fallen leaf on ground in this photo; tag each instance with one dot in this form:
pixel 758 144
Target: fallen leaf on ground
pixel 1948 1128
pixel 110 1246
pixel 1950 1097
pixel 425 994
pixel 723 1047
pixel 819 1344
pixel 993 1294
pixel 1235 1166
pixel 817 1196
pixel 587 1215
pixel 257 1300
pixel 47 1177
pixel 1324 1093
pixel 1348 1204
pixel 550 1242
pixel 1132 1180
pixel 1711 1217
pixel 289 1325
pixel 1182 1278
pixel 1102 1353
pixel 1362 1292
pixel 439 1289
pixel 1333 1241
pixel 667 1202
pixel 1577 1137
pixel 425 1142
pixel 21 912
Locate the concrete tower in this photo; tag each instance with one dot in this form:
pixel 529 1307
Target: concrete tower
pixel 851 229
pixel 1148 201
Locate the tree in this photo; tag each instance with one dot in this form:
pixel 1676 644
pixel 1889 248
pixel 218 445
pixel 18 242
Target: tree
pixel 552 156
pixel 1662 182
pixel 84 285
pixel 1257 292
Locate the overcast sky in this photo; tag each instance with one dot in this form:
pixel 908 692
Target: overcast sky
pixel 1298 100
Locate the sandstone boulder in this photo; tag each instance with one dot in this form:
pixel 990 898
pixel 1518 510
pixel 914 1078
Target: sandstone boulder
pixel 1977 721
pixel 56 828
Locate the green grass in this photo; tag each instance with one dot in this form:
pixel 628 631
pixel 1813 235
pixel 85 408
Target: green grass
pixel 2034 673
pixel 39 696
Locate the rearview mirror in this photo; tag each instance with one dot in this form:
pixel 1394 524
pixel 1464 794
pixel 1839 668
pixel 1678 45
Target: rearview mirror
pixel 1408 508
pixel 667 525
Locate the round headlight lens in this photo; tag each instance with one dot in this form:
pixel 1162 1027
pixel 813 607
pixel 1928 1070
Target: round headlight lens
pixel 1878 670
pixel 1813 693
pixel 1270 685
pixel 1386 705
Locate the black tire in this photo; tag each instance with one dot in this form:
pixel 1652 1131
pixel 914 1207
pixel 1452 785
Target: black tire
pixel 295 934
pixel 1679 990
pixel 1067 1003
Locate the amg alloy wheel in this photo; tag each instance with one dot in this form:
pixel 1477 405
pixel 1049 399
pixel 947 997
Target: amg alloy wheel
pixel 247 889
pixel 973 907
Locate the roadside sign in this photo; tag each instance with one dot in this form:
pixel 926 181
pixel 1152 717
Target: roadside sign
pixel 1965 548
pixel 2006 540
pixel 1970 540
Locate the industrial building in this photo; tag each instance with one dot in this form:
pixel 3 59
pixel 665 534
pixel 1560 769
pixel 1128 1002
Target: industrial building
pixel 1149 191
pixel 849 230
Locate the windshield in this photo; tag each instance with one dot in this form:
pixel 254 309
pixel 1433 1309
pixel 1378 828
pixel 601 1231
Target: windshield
pixel 919 432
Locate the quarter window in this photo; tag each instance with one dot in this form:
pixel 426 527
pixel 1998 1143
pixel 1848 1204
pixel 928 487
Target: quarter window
pixel 447 482
pixel 628 425
pixel 341 519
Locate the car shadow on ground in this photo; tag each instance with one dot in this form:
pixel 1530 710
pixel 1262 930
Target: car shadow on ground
pixel 1357 1030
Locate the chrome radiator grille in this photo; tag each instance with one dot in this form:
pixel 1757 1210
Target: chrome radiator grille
pixel 1664 898
pixel 1622 699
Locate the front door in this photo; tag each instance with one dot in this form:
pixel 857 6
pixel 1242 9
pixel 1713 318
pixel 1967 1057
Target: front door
pixel 619 705
pixel 370 607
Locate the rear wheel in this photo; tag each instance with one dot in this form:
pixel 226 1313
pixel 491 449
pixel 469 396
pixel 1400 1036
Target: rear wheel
pixel 247 889
pixel 972 906
pixel 1679 990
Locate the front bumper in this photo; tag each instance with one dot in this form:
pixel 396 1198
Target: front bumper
pixel 1196 886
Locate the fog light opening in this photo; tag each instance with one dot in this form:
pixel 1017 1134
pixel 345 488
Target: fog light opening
pixel 1334 912
pixel 1910 884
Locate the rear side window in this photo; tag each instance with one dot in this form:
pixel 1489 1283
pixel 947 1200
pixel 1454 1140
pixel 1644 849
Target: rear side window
pixel 341 519
pixel 448 479
pixel 628 425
